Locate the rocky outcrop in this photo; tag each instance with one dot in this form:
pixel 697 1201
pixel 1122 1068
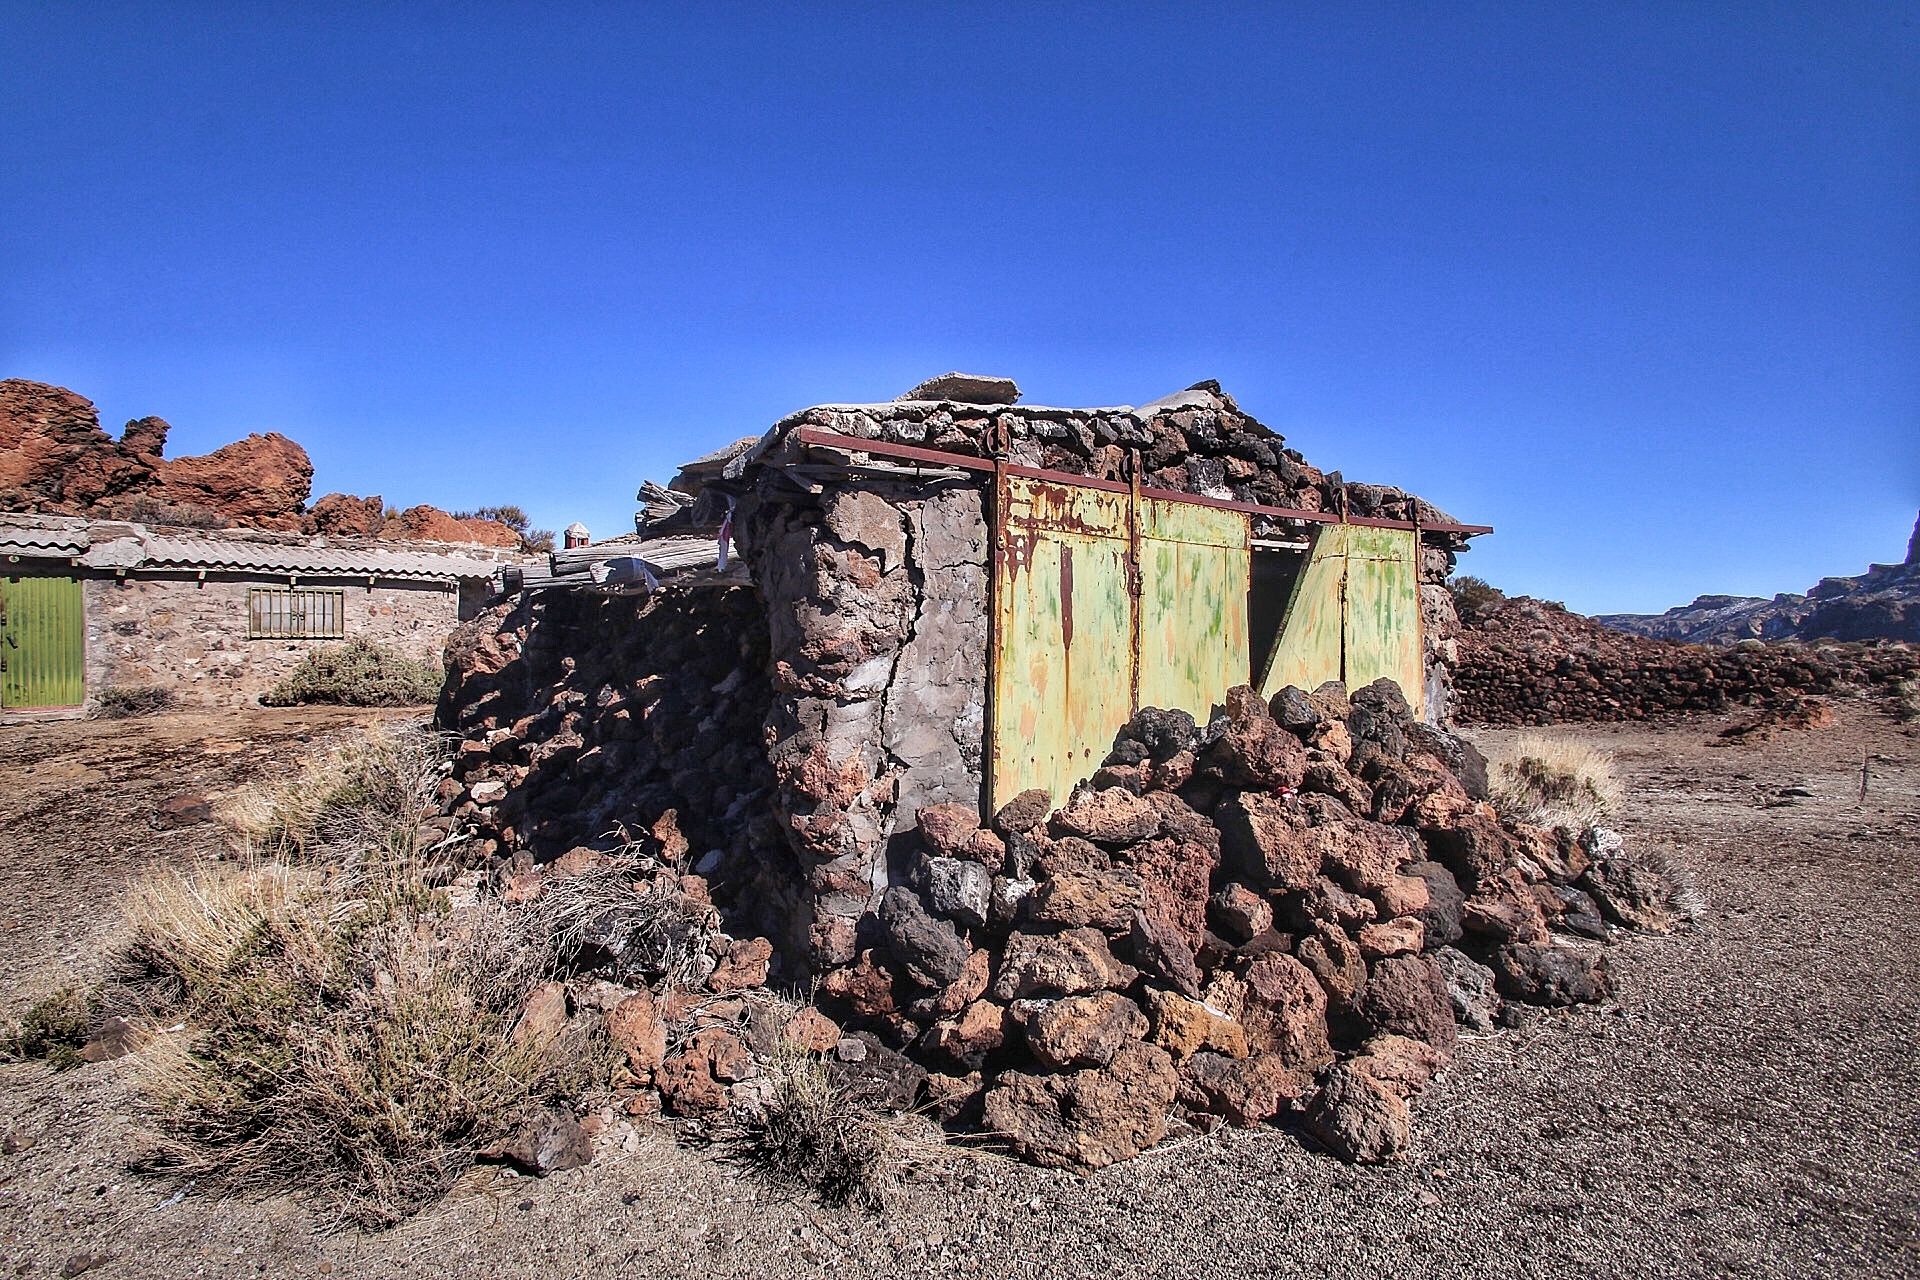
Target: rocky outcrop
pixel 56 459
pixel 1881 604
pixel 430 524
pixel 1525 661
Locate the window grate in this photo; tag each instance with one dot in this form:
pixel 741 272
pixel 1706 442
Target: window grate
pixel 287 613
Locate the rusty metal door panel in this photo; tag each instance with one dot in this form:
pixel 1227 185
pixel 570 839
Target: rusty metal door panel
pixel 1193 605
pixel 1383 612
pixel 42 642
pixel 1309 650
pixel 1063 634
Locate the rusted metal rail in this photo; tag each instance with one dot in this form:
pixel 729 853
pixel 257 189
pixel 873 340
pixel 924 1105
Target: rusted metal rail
pixel 942 458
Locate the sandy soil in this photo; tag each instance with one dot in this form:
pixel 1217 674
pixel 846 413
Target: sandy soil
pixel 1747 1108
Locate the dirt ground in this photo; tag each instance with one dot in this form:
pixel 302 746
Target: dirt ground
pixel 1747 1108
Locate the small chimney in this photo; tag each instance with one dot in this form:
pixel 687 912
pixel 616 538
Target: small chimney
pixel 576 535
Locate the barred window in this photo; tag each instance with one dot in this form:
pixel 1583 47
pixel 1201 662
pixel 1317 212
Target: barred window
pixel 289 613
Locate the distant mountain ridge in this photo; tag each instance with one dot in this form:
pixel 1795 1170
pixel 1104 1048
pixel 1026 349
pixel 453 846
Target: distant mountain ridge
pixel 1881 604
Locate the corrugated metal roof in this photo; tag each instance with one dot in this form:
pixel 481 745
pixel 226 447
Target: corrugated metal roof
pixel 40 542
pixel 117 544
pixel 173 552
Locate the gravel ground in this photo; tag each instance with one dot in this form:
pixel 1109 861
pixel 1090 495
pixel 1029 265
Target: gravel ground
pixel 1747 1108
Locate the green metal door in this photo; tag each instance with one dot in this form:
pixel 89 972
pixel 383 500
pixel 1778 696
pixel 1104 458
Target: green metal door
pixel 42 642
pixel 1063 636
pixel 1354 616
pixel 1312 631
pixel 1105 603
pixel 1383 612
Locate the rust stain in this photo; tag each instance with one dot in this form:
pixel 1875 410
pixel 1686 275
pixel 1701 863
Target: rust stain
pixel 1066 596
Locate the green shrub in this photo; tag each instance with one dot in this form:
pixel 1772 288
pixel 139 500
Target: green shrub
pixel 358 673
pixel 118 702
pixel 52 1029
pixel 1475 598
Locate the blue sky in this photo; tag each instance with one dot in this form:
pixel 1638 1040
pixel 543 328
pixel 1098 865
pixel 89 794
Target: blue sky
pixel 1639 284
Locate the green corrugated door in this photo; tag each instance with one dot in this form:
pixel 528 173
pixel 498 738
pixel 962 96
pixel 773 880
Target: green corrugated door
pixel 42 643
pixel 1074 638
pixel 1354 616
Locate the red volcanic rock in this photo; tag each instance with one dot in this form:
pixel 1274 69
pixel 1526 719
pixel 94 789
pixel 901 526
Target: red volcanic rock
pixel 342 515
pixel 53 455
pixel 55 458
pixel 261 482
pixel 431 524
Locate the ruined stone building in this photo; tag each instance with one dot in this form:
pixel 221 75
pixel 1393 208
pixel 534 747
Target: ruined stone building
pixel 950 598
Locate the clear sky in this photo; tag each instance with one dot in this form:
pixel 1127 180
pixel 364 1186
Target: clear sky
pixel 1639 284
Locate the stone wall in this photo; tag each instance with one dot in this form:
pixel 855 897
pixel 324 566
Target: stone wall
pixel 609 723
pixel 190 636
pixel 876 597
pixel 1526 661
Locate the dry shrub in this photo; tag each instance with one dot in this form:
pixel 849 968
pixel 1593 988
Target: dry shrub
pixel 121 702
pixel 1554 782
pixel 1906 700
pixel 340 1040
pixel 808 1129
pixel 348 1030
pixel 602 917
pixel 363 788
pixel 358 673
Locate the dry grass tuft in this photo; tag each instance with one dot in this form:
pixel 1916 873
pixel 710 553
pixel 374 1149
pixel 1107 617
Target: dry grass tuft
pixel 1553 782
pixel 808 1129
pixel 122 702
pixel 602 916
pixel 364 790
pixel 340 1040
pixel 348 1030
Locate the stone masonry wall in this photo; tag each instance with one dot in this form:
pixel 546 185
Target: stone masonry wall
pixel 191 637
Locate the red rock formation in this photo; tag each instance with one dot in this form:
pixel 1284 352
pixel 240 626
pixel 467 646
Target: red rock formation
pixel 261 482
pixel 53 455
pixel 431 524
pixel 55 458
pixel 342 515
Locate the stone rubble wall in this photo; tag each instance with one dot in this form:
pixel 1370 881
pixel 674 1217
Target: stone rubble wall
pixel 1279 917
pixel 598 724
pixel 1526 661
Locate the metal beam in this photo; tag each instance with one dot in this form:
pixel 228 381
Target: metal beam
pixel 942 458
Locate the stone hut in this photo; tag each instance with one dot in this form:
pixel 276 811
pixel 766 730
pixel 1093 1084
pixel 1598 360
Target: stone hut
pixel 218 617
pixel 951 598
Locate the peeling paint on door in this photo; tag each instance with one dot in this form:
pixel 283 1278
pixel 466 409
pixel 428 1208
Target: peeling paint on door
pixel 1105 602
pixel 1354 616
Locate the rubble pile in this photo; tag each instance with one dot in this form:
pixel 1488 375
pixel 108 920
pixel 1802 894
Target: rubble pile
pixel 1526 661
pixel 1278 918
